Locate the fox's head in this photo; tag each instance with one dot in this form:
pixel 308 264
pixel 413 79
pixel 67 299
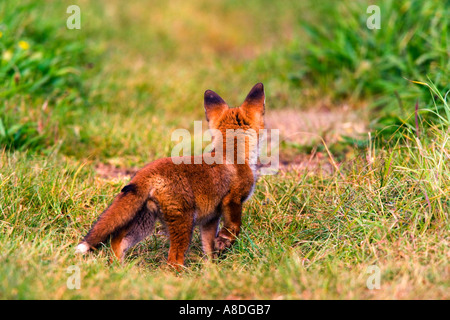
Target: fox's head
pixel 247 119
pixel 250 115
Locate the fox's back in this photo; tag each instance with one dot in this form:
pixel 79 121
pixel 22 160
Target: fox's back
pixel 194 184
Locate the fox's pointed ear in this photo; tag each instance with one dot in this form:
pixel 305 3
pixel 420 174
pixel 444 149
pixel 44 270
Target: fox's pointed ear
pixel 256 100
pixel 214 105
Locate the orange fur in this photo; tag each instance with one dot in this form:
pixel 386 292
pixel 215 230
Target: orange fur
pixel 184 195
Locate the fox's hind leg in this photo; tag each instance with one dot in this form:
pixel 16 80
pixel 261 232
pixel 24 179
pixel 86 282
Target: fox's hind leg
pixel 180 225
pixel 137 230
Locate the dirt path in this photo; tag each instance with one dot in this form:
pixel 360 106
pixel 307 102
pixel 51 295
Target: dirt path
pixel 312 128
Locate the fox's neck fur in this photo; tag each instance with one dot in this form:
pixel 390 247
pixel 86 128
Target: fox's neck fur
pixel 237 147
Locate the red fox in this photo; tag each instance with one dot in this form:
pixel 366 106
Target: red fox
pixel 183 195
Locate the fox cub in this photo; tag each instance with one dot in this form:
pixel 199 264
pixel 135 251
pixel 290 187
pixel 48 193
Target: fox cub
pixel 182 194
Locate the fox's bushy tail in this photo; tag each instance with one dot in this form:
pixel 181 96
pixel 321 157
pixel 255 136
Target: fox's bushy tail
pixel 120 213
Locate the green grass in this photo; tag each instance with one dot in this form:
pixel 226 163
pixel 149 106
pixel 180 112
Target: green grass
pixel 349 61
pixel 112 92
pixel 43 69
pixel 304 236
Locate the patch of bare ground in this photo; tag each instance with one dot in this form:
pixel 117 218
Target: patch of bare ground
pixel 109 171
pixel 311 128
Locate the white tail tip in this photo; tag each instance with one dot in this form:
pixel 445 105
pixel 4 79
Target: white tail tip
pixel 82 248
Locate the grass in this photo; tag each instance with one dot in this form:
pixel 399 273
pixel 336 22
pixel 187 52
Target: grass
pixel 304 236
pixel 352 63
pixel 42 71
pixel 112 92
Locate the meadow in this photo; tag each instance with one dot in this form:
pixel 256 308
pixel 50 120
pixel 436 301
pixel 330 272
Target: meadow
pixel 365 152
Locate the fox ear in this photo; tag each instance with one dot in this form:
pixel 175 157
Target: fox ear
pixel 256 100
pixel 214 105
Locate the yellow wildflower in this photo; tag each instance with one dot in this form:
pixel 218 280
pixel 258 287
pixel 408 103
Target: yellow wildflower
pixel 24 45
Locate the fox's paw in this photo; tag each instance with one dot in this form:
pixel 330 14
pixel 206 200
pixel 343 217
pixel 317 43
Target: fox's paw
pixel 221 243
pixel 82 248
